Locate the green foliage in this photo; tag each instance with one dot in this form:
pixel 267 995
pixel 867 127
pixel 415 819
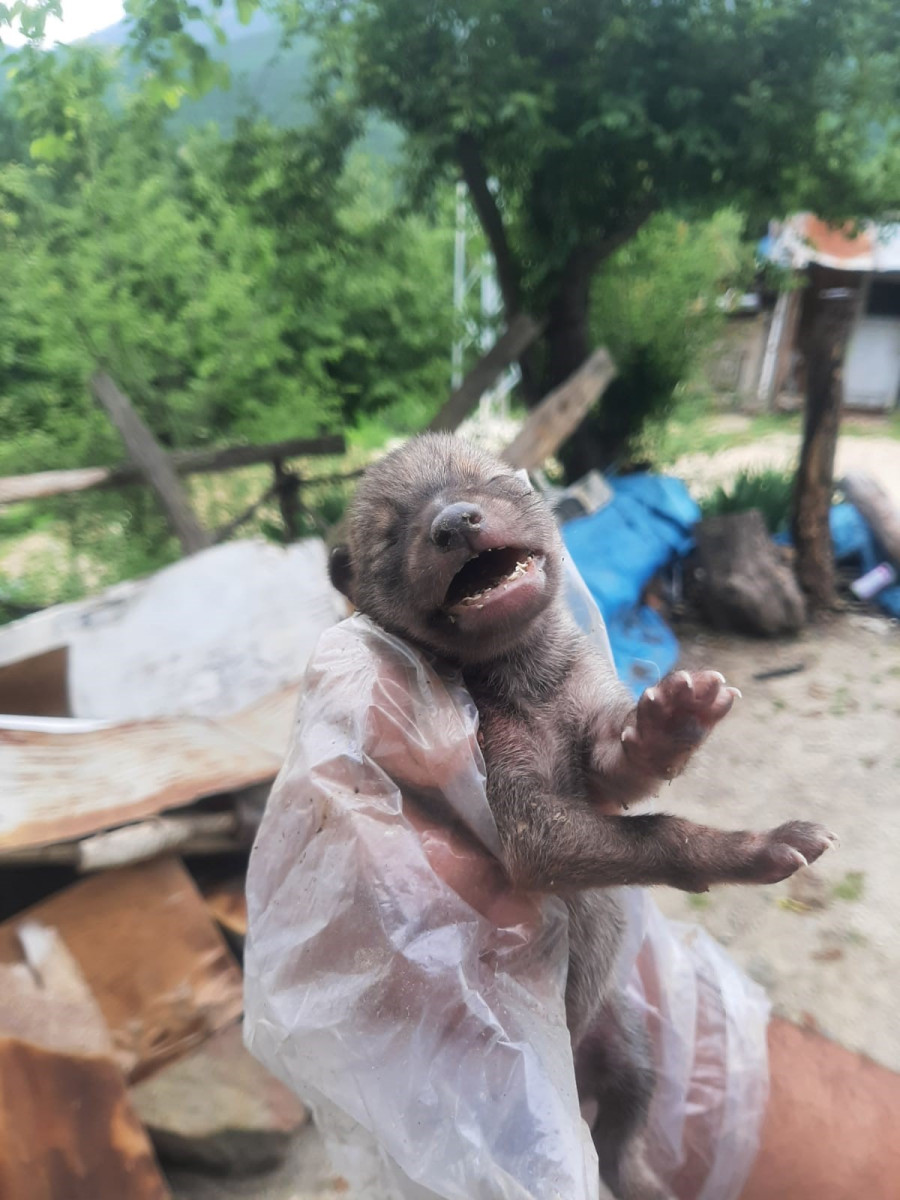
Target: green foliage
pixel 252 288
pixel 770 491
pixel 587 114
pixel 574 122
pixel 656 307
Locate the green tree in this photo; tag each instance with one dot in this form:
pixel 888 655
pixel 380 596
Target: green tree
pixel 574 121
pixel 657 304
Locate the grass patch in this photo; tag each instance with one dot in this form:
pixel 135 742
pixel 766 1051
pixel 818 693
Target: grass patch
pixel 769 490
pixel 692 429
pixel 851 887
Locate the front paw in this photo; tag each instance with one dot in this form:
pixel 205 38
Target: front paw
pixel 673 718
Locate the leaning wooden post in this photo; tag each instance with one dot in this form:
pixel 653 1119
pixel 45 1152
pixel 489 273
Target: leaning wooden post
pixel 833 315
pixel 560 412
pixel 287 491
pixel 151 460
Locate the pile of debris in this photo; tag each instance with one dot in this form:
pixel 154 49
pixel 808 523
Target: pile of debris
pixel 144 728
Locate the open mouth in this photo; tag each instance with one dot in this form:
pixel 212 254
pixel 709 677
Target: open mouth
pixel 488 573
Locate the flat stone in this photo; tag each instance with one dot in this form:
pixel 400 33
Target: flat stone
pixel 218 1109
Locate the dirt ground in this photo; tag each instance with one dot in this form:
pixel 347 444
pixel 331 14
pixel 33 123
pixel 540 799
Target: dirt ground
pixel 879 456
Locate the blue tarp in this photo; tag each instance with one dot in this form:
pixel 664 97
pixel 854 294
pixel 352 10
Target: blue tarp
pixel 646 525
pixel 854 543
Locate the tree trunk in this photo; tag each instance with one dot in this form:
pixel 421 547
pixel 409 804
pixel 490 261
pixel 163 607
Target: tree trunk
pixel 833 314
pixel 568 339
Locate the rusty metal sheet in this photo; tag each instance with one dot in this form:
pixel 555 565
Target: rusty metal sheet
pixel 156 963
pixel 67 1129
pixel 66 778
pixel 805 238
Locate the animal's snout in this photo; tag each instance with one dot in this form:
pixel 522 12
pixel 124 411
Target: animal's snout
pixel 456 525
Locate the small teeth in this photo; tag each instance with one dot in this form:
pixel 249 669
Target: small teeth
pixel 516 573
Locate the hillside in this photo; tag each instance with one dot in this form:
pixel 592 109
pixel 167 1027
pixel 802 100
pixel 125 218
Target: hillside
pixel 266 78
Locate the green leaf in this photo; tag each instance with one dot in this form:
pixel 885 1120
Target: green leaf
pixel 50 147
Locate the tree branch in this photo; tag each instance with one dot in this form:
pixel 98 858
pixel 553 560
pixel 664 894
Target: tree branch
pixel 474 172
pixel 598 252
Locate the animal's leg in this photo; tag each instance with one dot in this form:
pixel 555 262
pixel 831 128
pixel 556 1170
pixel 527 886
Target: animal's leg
pixel 550 844
pixel 613 1069
pixel 659 735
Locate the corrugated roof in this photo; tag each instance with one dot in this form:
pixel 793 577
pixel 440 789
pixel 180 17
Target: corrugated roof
pixel 804 239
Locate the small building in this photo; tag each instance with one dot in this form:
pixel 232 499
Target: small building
pixel 764 352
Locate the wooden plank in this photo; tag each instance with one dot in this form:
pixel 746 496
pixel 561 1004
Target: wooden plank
pixel 67 1129
pixel 64 780
pixel 560 412
pixel 152 956
pixel 14 489
pixel 196 834
pixel 152 462
pixel 522 332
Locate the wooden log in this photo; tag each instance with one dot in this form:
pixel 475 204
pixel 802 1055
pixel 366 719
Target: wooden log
pixel 152 956
pixel 877 509
pixel 67 1129
pixel 739 582
pixel 15 489
pixel 834 311
pixel 560 412
pixel 152 462
pixel 199 834
pixel 522 332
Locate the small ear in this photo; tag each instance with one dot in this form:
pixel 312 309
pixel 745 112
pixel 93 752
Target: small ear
pixel 340 570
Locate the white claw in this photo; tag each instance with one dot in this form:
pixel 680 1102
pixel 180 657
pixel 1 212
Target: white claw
pixel 629 734
pixel 736 692
pixel 800 857
pixel 687 679
pixel 651 694
pixel 718 675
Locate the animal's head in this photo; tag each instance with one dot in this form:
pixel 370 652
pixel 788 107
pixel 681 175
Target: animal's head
pixel 449 548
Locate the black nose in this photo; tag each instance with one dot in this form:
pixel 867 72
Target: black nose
pixel 455 525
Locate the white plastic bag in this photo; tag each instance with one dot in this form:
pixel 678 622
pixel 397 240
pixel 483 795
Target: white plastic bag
pixel 396 985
